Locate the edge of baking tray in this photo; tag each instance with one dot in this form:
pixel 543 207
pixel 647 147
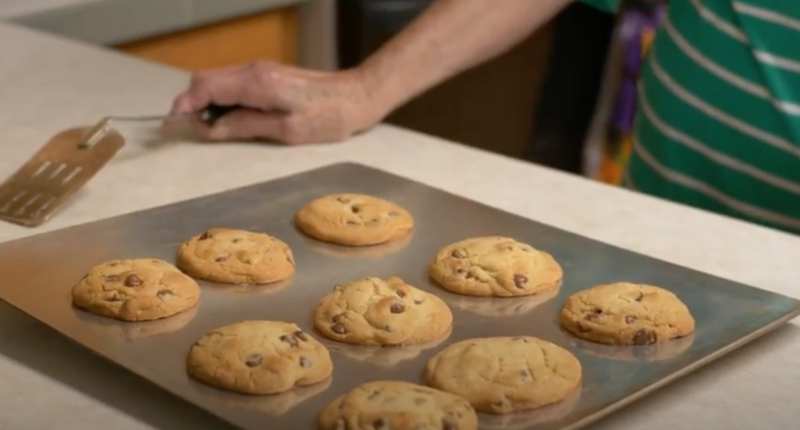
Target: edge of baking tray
pixel 708 359
pixel 357 165
pixel 792 312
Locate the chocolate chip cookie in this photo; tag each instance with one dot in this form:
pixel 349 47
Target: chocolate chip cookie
pixel 397 405
pixel 135 290
pixel 626 314
pixel 259 357
pixel 495 266
pixel 354 220
pixel 230 256
pixel 502 375
pixel 373 311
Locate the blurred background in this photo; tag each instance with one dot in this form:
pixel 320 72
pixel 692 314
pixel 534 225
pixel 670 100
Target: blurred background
pixel 549 100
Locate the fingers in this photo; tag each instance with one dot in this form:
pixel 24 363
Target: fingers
pixel 242 125
pixel 251 85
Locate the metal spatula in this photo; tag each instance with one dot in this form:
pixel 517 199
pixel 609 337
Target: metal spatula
pixel 66 162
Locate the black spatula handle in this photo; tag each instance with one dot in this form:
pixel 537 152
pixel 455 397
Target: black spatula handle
pixel 213 112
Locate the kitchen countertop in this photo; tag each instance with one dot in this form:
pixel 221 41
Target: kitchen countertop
pixel 49 84
pixel 108 22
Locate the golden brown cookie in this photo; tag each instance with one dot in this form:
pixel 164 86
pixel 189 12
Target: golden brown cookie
pixel 373 311
pixel 502 375
pixel 354 220
pixel 230 256
pixel 397 405
pixel 142 289
pixel 495 266
pixel 626 314
pixel 259 357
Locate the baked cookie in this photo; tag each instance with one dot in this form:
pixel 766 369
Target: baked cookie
pixel 353 220
pixel 231 256
pixel 626 314
pixel 259 357
pixel 142 289
pixel 495 266
pixel 397 405
pixel 502 375
pixel 373 311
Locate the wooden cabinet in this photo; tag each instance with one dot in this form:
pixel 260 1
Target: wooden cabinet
pixel 270 35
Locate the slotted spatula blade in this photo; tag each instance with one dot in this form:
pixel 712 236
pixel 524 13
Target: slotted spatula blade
pixel 55 173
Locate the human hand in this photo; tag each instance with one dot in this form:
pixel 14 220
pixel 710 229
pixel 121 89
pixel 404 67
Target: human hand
pixel 285 104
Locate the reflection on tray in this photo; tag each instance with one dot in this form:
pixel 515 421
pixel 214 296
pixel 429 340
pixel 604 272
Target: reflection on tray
pixel 386 356
pixel 528 419
pixel 500 306
pixel 247 289
pixel 274 405
pixel 375 251
pixel 132 331
pixel 658 352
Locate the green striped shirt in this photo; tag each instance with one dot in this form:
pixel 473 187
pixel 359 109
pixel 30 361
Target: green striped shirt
pixel 718 122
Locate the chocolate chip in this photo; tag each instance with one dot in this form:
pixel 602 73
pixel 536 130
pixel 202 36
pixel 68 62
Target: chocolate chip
pixel 379 424
pixel 133 281
pixel 449 425
pixel 111 278
pixel 344 200
pixel 237 240
pixel 630 319
pixel 254 360
pixel 220 259
pixel 400 293
pixel 291 340
pixel 338 328
pixel 300 335
pixel 458 254
pixel 594 316
pixel 520 281
pixel 304 362
pixel 644 337
pixel 523 375
pixel 164 294
pixel 355 209
pixel 640 297
pixel 397 308
pixel 204 236
pixel 461 271
pixel 419 401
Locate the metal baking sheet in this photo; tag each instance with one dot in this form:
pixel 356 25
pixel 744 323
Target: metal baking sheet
pixel 37 273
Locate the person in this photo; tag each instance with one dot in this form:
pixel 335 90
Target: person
pixel 718 116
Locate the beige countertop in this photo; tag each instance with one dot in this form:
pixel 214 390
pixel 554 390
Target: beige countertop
pixel 48 84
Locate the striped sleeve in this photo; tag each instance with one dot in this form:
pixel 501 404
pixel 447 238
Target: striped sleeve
pixel 605 5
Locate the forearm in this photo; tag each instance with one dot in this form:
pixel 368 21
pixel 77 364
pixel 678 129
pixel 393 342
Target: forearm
pixel 450 37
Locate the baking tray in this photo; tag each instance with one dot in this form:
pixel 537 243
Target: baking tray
pixel 37 273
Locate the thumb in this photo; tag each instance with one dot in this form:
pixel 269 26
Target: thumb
pixel 248 124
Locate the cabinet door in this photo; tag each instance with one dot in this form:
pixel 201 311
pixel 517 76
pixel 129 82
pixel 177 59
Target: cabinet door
pixel 270 36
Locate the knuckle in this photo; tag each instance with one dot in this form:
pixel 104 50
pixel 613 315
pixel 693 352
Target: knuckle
pixel 292 132
pixel 264 70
